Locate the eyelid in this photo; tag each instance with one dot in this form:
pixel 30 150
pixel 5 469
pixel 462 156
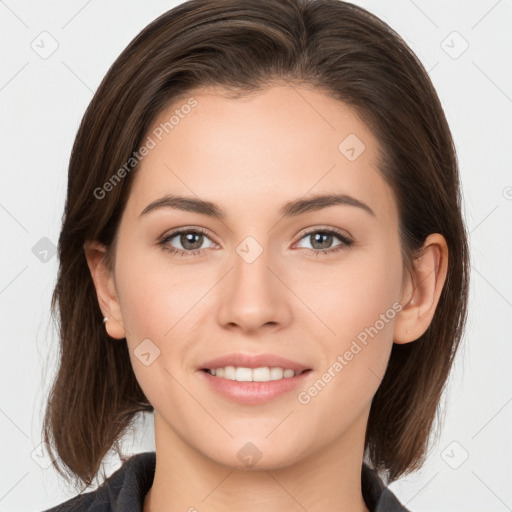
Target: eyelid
pixel 321 229
pixel 184 229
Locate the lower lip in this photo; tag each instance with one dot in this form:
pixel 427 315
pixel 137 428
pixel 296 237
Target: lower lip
pixel 253 393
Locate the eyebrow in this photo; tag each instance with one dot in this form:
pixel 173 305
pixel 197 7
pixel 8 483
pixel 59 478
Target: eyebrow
pixel 290 209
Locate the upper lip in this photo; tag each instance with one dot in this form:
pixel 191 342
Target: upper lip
pixel 247 360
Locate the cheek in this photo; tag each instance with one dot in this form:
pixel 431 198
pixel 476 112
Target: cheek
pixel 156 298
pixel 355 294
pixel 360 309
pixel 157 304
pixel 361 312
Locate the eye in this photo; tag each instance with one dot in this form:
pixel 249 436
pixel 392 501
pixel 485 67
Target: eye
pixel 321 240
pixel 190 239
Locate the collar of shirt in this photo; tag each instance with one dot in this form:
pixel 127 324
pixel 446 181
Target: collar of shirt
pixel 126 488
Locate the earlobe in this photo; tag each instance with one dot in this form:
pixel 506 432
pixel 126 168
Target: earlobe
pixel 423 290
pixel 103 280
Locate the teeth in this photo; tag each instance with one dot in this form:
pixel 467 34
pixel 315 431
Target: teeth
pixel 243 374
pixel 261 374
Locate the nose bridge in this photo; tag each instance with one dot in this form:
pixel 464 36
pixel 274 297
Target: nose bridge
pixel 252 279
pixel 251 263
pixel 252 295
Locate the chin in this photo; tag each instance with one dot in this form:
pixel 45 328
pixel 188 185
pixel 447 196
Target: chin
pixel 258 454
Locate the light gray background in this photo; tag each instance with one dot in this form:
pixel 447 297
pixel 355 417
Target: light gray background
pixel 42 101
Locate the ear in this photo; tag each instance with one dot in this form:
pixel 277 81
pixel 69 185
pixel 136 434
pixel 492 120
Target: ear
pixel 104 283
pixel 422 289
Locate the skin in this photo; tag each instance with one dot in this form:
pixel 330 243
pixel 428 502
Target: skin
pixel 250 156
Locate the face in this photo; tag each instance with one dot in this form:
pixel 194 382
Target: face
pixel 316 283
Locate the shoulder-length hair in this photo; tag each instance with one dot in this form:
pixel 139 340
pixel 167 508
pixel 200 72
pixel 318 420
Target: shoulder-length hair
pixel 244 46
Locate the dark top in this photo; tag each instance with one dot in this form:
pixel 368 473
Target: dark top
pixel 125 490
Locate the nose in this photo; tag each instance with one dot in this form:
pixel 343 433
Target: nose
pixel 253 295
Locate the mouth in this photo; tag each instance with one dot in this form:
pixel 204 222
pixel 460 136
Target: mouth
pixel 239 365
pixel 254 392
pixel 261 374
pixel 253 379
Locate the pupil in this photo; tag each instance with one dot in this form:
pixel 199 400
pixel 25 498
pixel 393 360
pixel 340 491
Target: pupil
pixel 319 236
pixel 187 238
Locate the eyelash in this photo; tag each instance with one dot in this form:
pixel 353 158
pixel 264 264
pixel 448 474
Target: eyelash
pixel 346 242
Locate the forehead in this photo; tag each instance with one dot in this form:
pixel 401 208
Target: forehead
pixel 276 144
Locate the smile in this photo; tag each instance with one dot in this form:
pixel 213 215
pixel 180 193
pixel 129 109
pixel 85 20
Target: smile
pixel 244 374
pixel 236 386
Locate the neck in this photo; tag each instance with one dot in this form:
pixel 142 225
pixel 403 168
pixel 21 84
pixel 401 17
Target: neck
pixel 187 480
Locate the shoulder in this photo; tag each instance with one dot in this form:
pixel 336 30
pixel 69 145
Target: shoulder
pixel 81 503
pixel 123 491
pixel 377 496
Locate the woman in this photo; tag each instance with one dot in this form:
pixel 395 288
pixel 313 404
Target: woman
pixel 262 244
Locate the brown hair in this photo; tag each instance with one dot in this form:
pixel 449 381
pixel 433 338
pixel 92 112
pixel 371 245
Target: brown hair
pixel 244 46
